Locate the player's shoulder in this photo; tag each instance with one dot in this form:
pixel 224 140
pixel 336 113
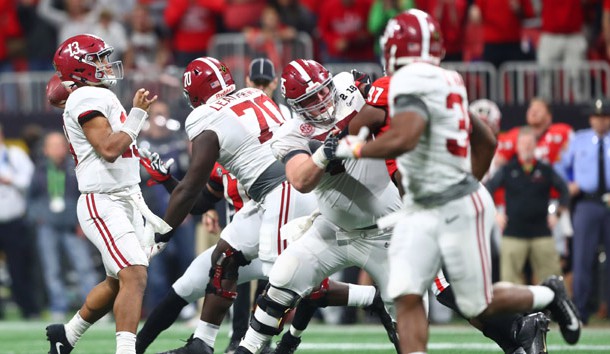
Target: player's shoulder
pixel 199 119
pixel 87 93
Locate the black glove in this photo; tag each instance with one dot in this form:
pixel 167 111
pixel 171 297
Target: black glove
pixel 361 78
pixel 164 237
pixel 330 146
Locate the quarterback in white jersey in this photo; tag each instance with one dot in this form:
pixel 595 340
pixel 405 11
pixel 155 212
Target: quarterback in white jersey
pixel 350 197
pixel 234 128
pixel 110 209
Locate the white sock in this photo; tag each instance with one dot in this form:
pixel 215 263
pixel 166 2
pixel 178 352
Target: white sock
pixel 125 343
pixel 360 295
pixel 207 332
pixel 295 332
pixel 543 296
pixel 75 328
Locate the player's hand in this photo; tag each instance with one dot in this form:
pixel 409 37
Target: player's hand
pixel 330 146
pixel 140 100
pixel 155 166
pixel 164 238
pixel 351 146
pixel 360 77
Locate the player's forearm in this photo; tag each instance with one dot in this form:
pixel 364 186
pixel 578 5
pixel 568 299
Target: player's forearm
pixel 114 146
pixel 303 174
pixel 180 204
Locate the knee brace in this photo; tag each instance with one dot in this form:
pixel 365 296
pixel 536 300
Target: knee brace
pixel 225 266
pixel 271 322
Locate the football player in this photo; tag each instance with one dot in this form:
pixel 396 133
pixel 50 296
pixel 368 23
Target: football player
pixel 350 197
pixel 110 209
pixel 447 216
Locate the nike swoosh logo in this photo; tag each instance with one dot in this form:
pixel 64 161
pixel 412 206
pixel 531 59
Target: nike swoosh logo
pixel 58 346
pixel 574 325
pixel 451 219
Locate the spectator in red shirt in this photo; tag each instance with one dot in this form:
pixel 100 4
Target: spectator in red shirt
pixel 192 23
pixel 606 26
pixel 562 41
pixel 239 14
pixel 451 15
pixel 343 26
pixel 501 20
pixel 10 31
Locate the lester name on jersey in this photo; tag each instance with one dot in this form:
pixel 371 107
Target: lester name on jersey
pixel 94 174
pixel 439 168
pixel 352 193
pixel 242 136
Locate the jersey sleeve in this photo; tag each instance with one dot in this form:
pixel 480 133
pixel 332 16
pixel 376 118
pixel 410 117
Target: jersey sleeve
pixel 507 144
pixel 378 93
pixel 292 137
pixel 86 102
pixel 198 120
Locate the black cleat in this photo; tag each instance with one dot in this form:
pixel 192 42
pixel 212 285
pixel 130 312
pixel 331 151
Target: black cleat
pixel 193 346
pixel 56 335
pixel 288 344
pixel 563 310
pixel 378 308
pixel 531 333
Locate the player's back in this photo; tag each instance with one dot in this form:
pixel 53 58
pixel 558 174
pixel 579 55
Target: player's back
pixel 439 166
pixel 244 122
pixel 94 174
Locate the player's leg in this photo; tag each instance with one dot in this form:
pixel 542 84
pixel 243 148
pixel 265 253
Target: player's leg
pixel 414 258
pixel 236 248
pixel 128 306
pixel 188 288
pixel 295 273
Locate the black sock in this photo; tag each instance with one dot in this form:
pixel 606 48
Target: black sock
pixel 304 313
pixel 162 316
pixel 498 328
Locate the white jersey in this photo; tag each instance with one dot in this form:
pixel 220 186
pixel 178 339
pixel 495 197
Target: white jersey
pixel 94 174
pixel 352 193
pixel 244 122
pixel 441 159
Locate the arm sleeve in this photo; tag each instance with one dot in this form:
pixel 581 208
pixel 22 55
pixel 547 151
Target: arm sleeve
pixel 289 141
pixel 411 103
pixel 564 166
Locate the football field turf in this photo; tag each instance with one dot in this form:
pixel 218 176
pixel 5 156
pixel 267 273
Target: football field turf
pixel 29 338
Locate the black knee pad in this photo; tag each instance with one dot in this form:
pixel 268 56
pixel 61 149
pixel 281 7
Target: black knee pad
pixel 275 310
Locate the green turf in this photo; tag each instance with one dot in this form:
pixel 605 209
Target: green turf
pixel 29 338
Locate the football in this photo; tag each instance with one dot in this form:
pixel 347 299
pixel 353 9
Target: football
pixel 58 91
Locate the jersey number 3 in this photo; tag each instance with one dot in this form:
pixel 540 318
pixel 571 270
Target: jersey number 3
pixel 459 147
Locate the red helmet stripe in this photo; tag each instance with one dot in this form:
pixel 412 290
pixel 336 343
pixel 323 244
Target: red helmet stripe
pixel 214 67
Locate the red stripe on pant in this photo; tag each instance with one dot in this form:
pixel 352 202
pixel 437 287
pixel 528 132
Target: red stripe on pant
pixel 108 239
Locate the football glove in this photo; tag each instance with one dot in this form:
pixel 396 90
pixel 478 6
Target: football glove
pixel 156 168
pixel 325 153
pixel 360 77
pixel 351 146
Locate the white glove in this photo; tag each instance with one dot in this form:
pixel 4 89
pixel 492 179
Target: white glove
pixel 350 146
pixel 147 242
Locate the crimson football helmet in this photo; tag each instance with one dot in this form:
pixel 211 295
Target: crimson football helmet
pixel 488 112
pixel 309 91
pixel 205 80
pixel 411 36
pixel 84 60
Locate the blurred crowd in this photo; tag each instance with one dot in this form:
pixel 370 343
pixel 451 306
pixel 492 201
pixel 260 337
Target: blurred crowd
pixel 150 35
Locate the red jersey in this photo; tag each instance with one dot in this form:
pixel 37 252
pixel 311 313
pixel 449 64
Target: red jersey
pixel 234 192
pixel 500 23
pixel 562 16
pixel 378 97
pixel 549 147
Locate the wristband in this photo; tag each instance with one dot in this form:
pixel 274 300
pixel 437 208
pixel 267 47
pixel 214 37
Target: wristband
pixel 358 150
pixel 319 158
pixel 133 123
